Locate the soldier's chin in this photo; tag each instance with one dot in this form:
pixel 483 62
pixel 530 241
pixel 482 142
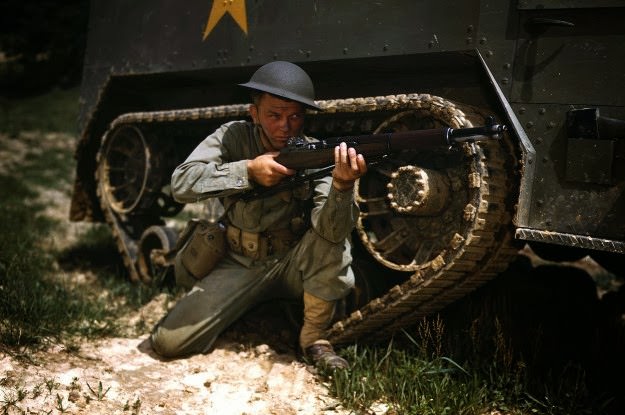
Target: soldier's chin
pixel 279 144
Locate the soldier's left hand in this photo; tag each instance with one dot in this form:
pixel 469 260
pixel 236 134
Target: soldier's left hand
pixel 348 167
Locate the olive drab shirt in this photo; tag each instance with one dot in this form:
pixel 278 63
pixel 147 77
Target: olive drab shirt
pixel 218 168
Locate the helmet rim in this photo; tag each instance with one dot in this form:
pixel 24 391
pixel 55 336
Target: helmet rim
pixel 285 80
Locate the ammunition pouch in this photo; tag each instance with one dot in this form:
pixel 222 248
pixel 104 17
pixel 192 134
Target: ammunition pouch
pixel 260 245
pixel 204 247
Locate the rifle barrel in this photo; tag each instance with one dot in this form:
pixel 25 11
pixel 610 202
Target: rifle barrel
pixel 301 155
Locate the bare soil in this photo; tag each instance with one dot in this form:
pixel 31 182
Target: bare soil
pixel 123 375
pixel 252 369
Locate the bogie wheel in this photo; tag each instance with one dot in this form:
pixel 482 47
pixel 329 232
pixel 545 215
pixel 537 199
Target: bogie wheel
pixel 443 216
pixel 420 209
pixel 155 242
pixel 130 175
pixel 124 168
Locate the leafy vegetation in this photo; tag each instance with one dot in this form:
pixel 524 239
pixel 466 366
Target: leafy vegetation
pixel 36 309
pixel 415 378
pixel 41 44
pixel 56 111
pixel 534 340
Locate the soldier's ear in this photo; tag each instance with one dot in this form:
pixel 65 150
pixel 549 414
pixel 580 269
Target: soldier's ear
pixel 254 113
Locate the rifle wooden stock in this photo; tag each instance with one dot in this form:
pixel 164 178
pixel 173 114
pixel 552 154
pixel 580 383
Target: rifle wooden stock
pixel 299 154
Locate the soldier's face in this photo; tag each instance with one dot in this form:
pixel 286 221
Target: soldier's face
pixel 280 119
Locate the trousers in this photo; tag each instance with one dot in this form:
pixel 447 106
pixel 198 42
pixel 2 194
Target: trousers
pixel 314 265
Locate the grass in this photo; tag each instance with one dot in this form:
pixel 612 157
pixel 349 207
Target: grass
pixel 410 379
pixel 408 384
pixel 36 309
pixel 32 308
pixel 56 111
pixel 533 341
pixel 37 305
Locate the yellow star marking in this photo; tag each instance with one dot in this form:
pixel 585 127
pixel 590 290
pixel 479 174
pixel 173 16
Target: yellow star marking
pixel 236 8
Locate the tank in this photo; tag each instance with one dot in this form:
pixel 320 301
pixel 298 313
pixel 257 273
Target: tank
pixel 550 70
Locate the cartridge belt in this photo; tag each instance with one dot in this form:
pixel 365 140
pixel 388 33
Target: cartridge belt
pixel 260 245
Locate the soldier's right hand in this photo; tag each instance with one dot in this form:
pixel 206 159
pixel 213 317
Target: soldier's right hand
pixel 266 171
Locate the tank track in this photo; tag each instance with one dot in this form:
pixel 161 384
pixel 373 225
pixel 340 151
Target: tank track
pixel 469 260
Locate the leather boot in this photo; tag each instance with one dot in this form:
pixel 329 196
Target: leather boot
pixel 318 315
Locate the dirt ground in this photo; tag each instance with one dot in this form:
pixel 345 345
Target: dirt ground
pixel 123 375
pixel 252 369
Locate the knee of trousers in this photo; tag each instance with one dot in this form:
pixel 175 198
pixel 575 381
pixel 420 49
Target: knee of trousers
pixel 325 267
pixel 165 343
pixel 171 344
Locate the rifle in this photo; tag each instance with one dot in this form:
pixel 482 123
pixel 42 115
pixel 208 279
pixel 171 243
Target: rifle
pixel 299 154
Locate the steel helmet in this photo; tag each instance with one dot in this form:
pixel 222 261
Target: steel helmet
pixel 286 80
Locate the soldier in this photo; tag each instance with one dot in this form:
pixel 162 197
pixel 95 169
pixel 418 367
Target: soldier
pixel 294 244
